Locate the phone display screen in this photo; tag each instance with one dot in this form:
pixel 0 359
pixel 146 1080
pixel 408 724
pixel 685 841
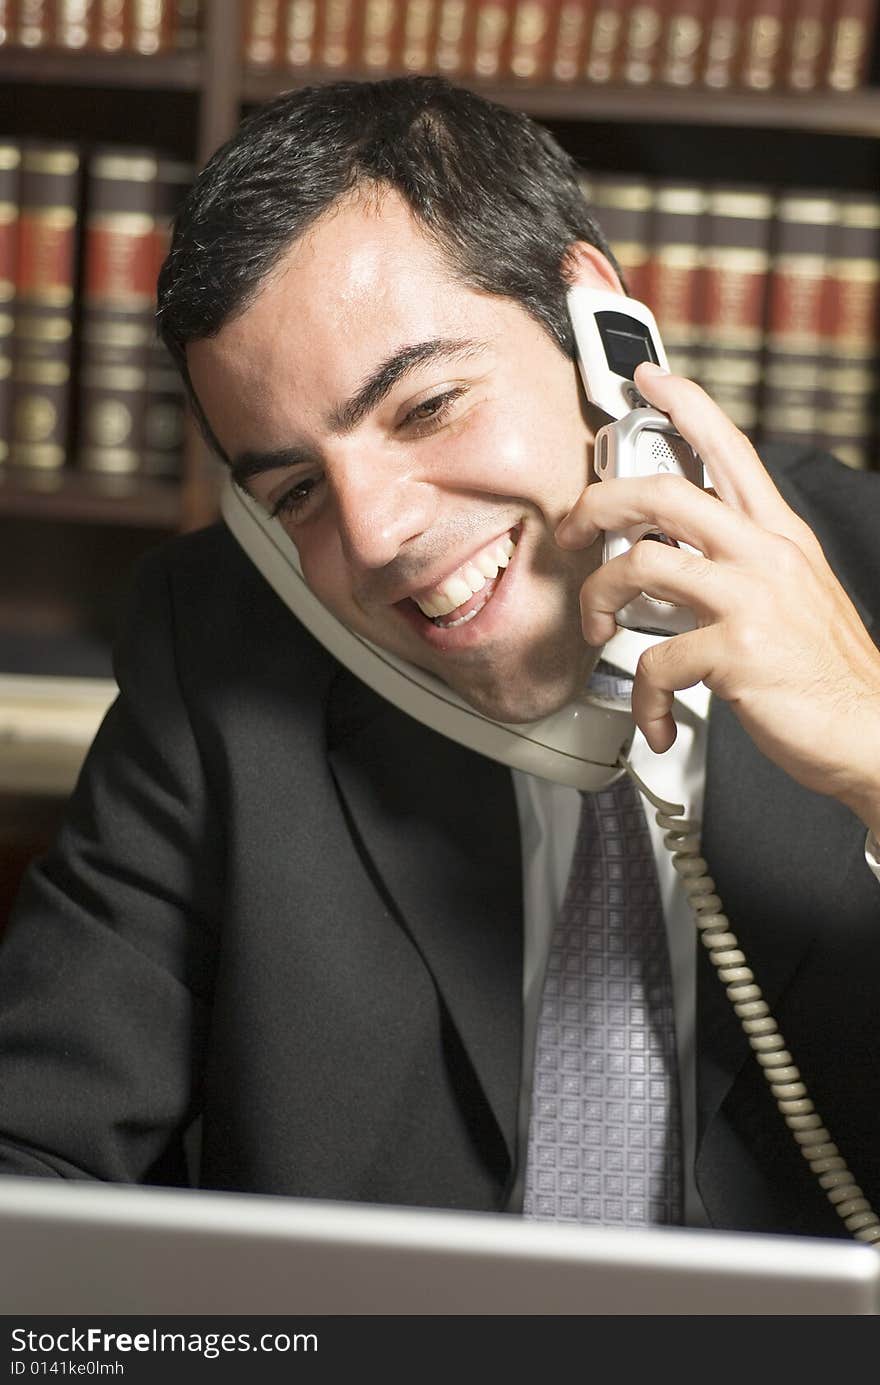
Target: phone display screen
pixel 627 342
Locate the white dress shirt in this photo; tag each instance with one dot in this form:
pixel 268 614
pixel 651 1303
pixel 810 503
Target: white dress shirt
pixel 549 815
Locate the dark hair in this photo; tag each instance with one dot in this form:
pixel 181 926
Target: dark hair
pixel 494 190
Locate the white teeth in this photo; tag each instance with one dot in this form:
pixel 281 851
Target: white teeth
pixel 470 578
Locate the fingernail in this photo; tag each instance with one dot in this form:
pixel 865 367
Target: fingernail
pixel 652 369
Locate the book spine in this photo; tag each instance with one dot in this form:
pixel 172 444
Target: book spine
pixel 112 26
pixel 736 262
pixel 722 52
pixel 851 331
pixel 381 36
pixel 165 404
pixel 73 23
pixel 531 39
pixel 805 51
pixel 683 43
pixel 7 23
pixel 187 24
pixel 623 206
pixel 491 32
pixel 762 46
pixel 10 160
pixel 33 23
pixel 339 34
pixel 675 274
pixel 261 36
pixel 451 38
pixel 419 19
pixel 152 26
pixel 117 307
pixel 568 43
pixel 850 43
pixel 605 49
pixel 44 305
pixel 299 33
pixel 642 44
pixel 795 346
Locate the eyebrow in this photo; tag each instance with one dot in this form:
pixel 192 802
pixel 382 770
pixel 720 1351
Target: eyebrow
pixel 367 397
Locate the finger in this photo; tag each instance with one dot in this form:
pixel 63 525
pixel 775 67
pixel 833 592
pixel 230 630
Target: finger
pixel 663 670
pixel 738 474
pixel 666 503
pixel 655 569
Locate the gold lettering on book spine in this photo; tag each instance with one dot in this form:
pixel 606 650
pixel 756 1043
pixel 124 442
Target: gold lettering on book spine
pixel 260 40
pixel 762 51
pixel 682 46
pixel 300 32
pixel 450 35
pixel 337 20
pixel 529 33
pixel 73 23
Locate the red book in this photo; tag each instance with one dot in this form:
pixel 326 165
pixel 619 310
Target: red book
pixel 623 204
pixel 419 18
pixel 73 22
pixel 724 36
pixel 569 43
pixel 736 261
pixel 532 36
pixel 45 276
pixel 339 33
pixel 299 33
pixel 491 35
pixel 381 36
pixel 851 331
pixel 605 48
pixel 452 37
pixel 682 43
pixel 795 325
pixel 261 32
pixel 152 26
pixel 851 41
pixel 642 43
pixel 32 23
pixel 761 58
pixel 10 161
pixel 675 272
pixel 117 309
pixel 805 48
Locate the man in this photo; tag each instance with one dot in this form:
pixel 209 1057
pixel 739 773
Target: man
pixel 287 912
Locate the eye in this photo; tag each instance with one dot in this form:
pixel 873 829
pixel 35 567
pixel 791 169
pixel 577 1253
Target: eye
pixel 296 499
pixel 432 412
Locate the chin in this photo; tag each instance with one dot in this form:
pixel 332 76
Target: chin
pixel 518 705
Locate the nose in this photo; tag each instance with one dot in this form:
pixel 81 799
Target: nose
pixel 381 505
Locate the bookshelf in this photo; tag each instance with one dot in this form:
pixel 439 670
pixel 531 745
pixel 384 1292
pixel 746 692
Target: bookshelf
pixel 64 537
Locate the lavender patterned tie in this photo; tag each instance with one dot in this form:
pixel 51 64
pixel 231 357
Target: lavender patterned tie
pixel 605 1133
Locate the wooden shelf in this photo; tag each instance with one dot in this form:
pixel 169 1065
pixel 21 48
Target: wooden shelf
pixel 164 72
pixel 857 113
pixel 78 497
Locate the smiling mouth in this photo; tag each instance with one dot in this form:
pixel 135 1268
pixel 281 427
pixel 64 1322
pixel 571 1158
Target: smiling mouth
pixel 461 596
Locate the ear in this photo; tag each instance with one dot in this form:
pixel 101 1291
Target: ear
pixel 585 264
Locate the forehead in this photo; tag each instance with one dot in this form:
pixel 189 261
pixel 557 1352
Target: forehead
pixel 364 281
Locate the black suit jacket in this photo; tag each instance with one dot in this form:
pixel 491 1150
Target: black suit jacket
pixel 282 906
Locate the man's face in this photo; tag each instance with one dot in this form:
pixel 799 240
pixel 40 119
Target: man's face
pixel 420 441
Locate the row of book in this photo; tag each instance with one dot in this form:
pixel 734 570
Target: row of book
pixel 762 45
pixel 83 380
pixel 104 26
pixel 771 300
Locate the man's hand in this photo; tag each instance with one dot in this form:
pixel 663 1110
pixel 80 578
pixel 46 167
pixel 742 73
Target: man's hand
pixel 777 636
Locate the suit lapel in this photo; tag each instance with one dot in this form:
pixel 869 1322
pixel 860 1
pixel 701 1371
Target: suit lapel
pixel 440 828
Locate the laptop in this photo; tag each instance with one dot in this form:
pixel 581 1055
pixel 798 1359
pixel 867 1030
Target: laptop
pixel 83 1248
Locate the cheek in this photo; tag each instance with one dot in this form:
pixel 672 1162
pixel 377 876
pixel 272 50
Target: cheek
pixel 324 568
pixel 520 452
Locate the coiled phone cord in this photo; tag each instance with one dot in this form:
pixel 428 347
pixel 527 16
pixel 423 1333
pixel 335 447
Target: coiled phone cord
pixel 682 838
